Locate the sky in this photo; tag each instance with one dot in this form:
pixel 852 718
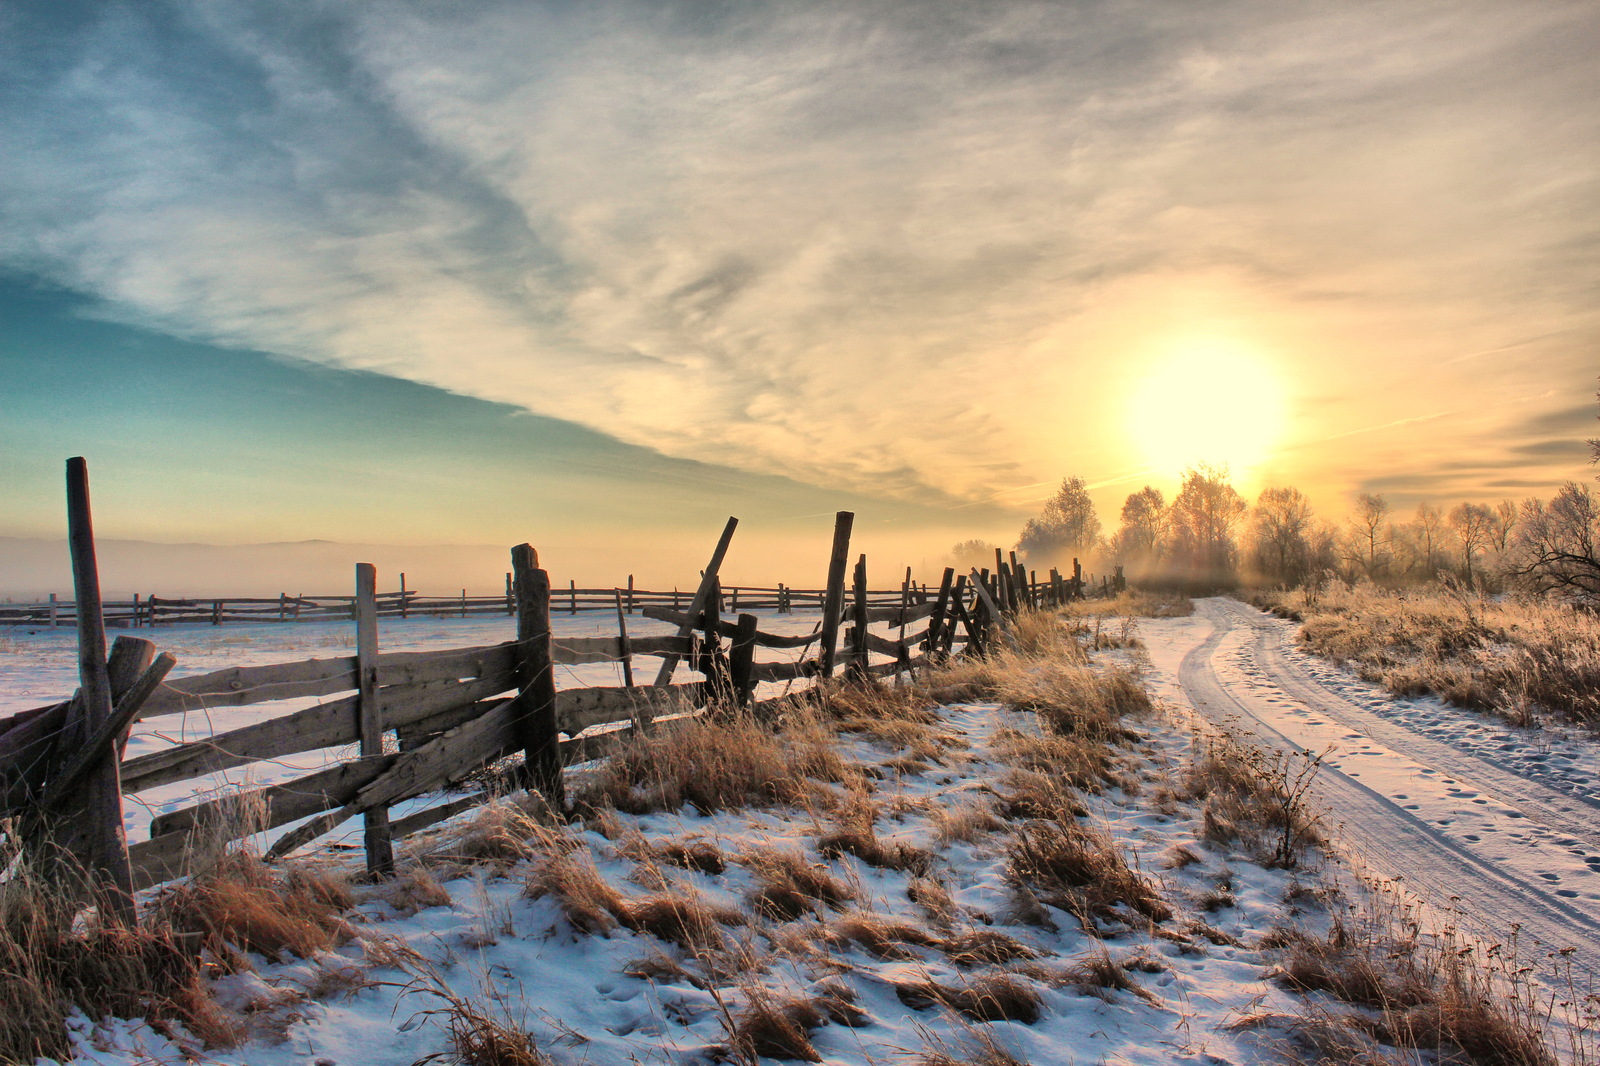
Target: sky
pixel 598 275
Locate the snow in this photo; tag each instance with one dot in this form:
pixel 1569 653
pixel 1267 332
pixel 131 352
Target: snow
pixel 1489 824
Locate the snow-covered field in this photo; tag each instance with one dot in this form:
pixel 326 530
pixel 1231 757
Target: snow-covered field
pixel 1492 827
pixel 39 666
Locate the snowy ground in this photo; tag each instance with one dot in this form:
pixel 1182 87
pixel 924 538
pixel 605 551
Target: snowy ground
pixel 39 666
pixel 575 992
pixel 1497 824
pixel 1491 825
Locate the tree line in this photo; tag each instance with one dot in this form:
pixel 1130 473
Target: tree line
pixel 1208 536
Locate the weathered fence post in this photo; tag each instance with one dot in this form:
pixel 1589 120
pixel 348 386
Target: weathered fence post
pixel 405 610
pixel 536 718
pixel 742 660
pixel 833 598
pixel 624 649
pixel 702 595
pixel 376 836
pixel 859 659
pixel 630 593
pixel 106 851
pixel 936 621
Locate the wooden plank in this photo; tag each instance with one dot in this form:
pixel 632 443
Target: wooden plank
pixel 323 726
pixel 287 802
pixel 578 709
pixel 725 628
pixel 375 837
pixel 783 671
pixel 575 651
pixel 702 598
pixel 413 823
pixel 241 686
pixel 624 647
pixel 438 763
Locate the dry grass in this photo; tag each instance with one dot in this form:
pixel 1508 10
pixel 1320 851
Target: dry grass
pixel 856 834
pixel 414 890
pixel 991 997
pixel 1099 975
pixel 788 885
pixel 1469 1004
pixel 772 1026
pixel 242 905
pixel 501 833
pixel 675 913
pixel 715 764
pixel 1518 657
pixel 965 822
pixel 985 947
pixel 1262 795
pixel 53 957
pixel 481 1029
pixel 1080 870
pixel 880 935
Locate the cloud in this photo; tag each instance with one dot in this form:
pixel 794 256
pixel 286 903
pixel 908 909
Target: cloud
pixel 831 241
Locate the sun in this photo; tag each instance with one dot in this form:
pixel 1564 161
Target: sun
pixel 1207 403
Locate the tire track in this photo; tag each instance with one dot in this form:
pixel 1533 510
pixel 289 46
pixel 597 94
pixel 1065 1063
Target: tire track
pixel 1491 877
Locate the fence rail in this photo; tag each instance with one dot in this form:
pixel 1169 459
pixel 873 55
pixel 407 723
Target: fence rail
pixel 453 712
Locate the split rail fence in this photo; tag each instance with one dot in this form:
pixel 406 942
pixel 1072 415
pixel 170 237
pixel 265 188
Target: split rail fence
pixel 451 713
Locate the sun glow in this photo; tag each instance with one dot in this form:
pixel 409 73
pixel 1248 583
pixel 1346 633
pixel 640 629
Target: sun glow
pixel 1207 403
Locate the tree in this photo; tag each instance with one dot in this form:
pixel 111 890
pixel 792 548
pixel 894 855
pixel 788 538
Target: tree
pixel 1428 524
pixel 1472 523
pixel 1504 521
pixel 1279 527
pixel 1067 526
pixel 1557 545
pixel 1370 535
pixel 1203 517
pixel 1144 524
pixel 969 554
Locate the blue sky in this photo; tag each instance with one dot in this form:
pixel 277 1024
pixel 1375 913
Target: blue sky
pixel 349 270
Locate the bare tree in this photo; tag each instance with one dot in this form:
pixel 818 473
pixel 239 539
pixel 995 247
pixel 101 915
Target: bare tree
pixel 1370 533
pixel 1204 514
pixel 1472 523
pixel 1503 521
pixel 1557 544
pixel 1279 527
pixel 1144 524
pixel 1068 524
pixel 1428 524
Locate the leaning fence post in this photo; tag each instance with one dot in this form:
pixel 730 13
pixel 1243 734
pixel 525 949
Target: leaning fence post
pixel 624 649
pixel 702 598
pixel 536 718
pixel 107 842
pixel 376 837
pixel 833 598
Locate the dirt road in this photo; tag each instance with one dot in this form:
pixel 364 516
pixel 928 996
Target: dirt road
pixel 1504 834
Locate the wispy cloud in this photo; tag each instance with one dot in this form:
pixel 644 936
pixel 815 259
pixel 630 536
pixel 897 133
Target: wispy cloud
pixel 831 241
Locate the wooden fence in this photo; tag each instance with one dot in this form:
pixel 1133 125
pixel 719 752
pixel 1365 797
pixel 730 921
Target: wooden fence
pixel 454 712
pixel 144 612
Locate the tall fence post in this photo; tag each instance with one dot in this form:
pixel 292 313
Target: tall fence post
pixel 859 657
pixel 536 720
pixel 376 836
pixel 742 660
pixel 106 843
pixel 937 621
pixel 833 598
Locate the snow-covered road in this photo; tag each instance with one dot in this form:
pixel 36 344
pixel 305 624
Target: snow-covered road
pixel 1498 825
